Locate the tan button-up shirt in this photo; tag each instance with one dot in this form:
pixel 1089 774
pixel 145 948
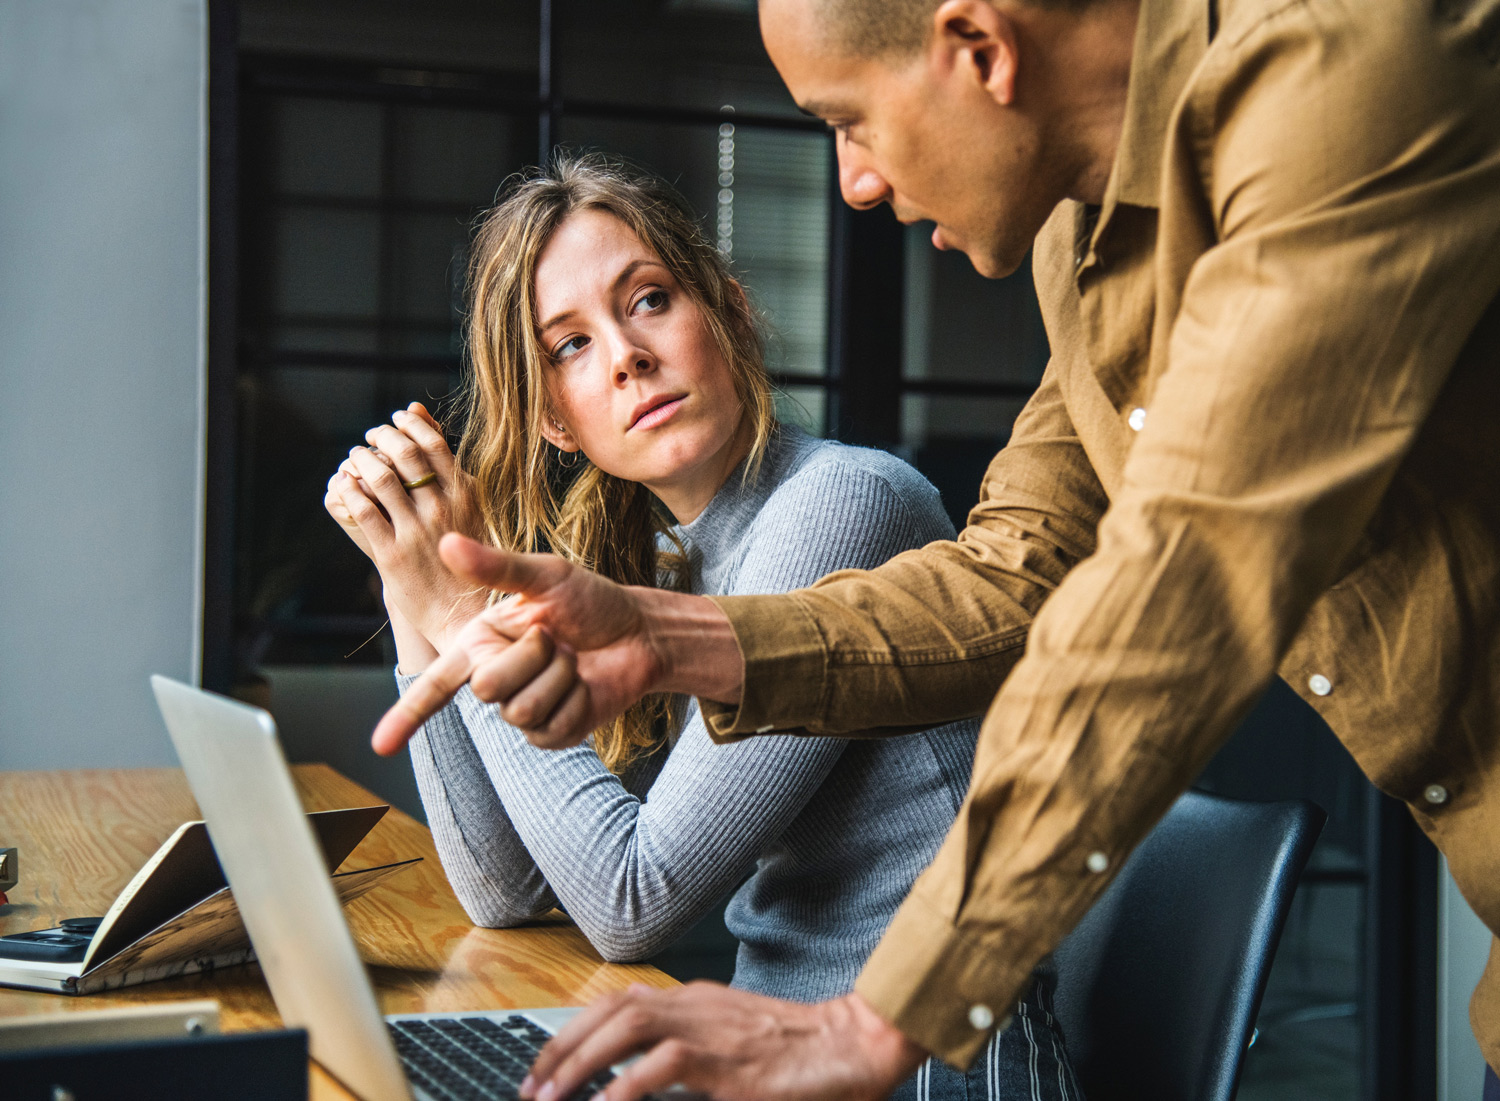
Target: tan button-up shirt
pixel 1266 441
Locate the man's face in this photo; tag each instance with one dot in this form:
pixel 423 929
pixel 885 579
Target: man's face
pixel 921 133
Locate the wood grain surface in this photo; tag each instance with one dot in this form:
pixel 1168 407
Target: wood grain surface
pixel 83 834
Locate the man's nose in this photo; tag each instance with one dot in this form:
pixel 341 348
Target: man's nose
pixel 861 186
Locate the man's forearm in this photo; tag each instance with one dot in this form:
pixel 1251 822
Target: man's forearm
pixel 695 645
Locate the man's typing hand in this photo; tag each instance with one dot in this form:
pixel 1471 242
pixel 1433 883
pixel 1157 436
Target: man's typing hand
pixel 727 1044
pixel 568 650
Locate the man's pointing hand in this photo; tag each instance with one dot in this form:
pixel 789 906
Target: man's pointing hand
pixel 568 650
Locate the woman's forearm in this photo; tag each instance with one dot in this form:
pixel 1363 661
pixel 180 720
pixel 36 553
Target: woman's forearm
pixel 413 652
pixel 636 872
pixel 489 867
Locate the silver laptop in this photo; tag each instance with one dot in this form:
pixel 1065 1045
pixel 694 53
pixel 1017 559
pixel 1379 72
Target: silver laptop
pixel 239 776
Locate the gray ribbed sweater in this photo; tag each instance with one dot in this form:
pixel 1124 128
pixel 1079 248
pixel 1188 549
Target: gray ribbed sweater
pixel 831 832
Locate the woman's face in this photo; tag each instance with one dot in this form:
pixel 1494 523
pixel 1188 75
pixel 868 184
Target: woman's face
pixel 634 377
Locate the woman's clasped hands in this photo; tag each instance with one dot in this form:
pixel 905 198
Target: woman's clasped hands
pixel 395 499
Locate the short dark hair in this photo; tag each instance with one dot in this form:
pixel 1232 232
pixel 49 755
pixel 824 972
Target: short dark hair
pixel 892 28
pixel 876 28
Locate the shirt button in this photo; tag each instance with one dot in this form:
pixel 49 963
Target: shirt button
pixel 1137 419
pixel 981 1017
pixel 1097 862
pixel 1319 684
pixel 1436 794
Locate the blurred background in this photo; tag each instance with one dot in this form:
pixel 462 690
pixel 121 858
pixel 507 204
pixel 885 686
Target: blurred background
pixel 233 237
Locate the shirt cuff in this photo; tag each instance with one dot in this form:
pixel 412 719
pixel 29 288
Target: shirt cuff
pixel 945 991
pixel 786 664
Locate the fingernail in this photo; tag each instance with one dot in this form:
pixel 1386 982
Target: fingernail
pixel 547 1093
pixel 399 413
pixel 527 1088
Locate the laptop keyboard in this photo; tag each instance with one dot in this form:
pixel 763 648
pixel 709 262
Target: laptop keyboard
pixel 473 1058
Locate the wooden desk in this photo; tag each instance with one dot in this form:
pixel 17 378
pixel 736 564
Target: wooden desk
pixel 82 835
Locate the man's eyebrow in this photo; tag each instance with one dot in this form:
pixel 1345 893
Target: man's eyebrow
pixel 825 111
pixel 625 273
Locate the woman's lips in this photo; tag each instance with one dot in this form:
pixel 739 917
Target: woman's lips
pixel 658 414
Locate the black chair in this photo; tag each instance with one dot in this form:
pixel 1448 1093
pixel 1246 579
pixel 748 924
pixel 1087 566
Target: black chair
pixel 1159 985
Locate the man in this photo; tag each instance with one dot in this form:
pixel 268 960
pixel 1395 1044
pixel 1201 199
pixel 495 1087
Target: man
pixel 1269 270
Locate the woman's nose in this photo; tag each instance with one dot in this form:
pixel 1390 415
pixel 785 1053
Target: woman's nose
pixel 632 361
pixel 860 184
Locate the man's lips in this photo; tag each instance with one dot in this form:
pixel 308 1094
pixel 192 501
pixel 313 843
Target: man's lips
pixel 939 241
pixel 652 411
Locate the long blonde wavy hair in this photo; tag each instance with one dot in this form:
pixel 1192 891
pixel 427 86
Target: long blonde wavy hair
pixel 527 499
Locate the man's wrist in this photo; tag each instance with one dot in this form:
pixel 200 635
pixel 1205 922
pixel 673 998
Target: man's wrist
pixel 695 646
pixel 885 1045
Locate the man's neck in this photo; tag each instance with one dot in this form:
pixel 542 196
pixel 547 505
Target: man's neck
pixel 1086 79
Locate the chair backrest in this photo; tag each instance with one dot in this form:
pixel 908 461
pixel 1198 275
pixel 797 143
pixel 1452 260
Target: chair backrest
pixel 1159 985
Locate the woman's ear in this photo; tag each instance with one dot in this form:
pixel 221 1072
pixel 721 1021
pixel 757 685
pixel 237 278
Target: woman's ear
pixel 737 295
pixel 556 433
pixel 739 303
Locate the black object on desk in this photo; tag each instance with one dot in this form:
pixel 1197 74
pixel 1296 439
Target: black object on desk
pixel 240 1066
pixel 68 943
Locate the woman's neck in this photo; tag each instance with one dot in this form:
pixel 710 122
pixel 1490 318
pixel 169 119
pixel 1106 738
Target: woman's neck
pixel 686 499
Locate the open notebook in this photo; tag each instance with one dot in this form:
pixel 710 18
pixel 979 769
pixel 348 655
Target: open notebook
pixel 177 914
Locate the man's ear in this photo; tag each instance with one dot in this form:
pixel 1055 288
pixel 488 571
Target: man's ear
pixel 976 38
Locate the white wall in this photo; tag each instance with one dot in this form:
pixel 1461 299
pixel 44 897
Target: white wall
pixel 102 168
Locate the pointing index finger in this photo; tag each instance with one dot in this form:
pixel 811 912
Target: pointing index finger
pixel 427 695
pixel 507 571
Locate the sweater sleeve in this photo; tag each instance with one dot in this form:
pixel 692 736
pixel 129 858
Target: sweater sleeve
pixel 487 864
pixel 636 872
pixel 489 868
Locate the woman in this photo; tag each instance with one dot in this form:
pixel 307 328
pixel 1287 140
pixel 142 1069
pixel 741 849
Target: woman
pixel 619 414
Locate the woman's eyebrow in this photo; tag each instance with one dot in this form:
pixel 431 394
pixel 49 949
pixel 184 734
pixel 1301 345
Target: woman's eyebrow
pixel 631 268
pixel 625 273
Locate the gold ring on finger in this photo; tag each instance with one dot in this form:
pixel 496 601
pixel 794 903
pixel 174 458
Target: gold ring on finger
pixel 417 483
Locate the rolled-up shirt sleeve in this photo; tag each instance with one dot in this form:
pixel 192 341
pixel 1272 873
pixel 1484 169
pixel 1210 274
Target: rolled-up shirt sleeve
pixel 928 637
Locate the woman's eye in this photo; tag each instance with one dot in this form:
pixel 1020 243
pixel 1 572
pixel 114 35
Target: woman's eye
pixel 570 347
pixel 652 301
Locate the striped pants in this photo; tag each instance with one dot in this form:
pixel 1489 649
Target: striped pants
pixel 1025 1062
